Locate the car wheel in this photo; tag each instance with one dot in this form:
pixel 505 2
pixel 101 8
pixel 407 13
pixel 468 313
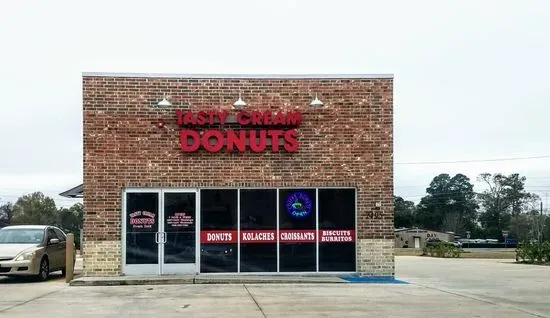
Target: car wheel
pixel 44 271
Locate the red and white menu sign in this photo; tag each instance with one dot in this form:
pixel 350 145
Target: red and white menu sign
pixel 336 236
pixel 270 236
pixel 218 237
pixel 297 236
pixel 261 236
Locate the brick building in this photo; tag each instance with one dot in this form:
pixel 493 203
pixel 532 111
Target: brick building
pixel 181 178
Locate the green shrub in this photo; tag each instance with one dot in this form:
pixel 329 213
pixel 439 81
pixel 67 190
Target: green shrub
pixel 442 250
pixel 533 253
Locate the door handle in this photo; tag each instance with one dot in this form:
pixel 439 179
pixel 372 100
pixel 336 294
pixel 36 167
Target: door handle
pixel 164 235
pixel 157 237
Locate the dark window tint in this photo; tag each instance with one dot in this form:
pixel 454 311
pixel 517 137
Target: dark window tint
pixel 259 257
pixel 258 221
pixel 337 209
pixel 258 209
pixel 337 227
pixel 218 210
pixel 337 257
pixel 297 214
pixel 141 228
pixel 179 225
pixel 298 257
pixel 51 234
pixel 219 214
pixel 60 235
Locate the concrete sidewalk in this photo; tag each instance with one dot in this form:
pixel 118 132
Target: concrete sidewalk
pixel 435 287
pixel 227 279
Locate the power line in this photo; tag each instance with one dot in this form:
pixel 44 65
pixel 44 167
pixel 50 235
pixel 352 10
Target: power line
pixel 469 161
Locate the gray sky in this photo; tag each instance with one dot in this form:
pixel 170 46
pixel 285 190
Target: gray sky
pixel 470 76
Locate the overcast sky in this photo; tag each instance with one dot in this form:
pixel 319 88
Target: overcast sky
pixel 471 77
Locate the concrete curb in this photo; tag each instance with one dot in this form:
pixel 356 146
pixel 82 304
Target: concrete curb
pixel 129 281
pixel 179 280
pixel 268 280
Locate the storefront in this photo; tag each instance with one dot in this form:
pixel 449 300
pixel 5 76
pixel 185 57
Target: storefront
pixel 237 174
pixel 239 230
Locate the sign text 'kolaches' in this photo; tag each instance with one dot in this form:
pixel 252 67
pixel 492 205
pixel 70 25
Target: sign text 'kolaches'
pixel 262 131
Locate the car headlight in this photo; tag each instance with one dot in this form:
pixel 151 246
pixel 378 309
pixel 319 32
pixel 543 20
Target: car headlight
pixel 26 256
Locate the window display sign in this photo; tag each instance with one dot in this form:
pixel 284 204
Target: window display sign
pixel 336 236
pixel 258 236
pixel 264 129
pixel 218 237
pixel 298 205
pixel 180 220
pixel 297 236
pixel 285 236
pixel 142 219
pixel 277 230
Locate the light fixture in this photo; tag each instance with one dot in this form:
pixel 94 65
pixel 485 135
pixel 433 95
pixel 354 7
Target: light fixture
pixel 316 102
pixel 239 104
pixel 164 102
pixel 161 123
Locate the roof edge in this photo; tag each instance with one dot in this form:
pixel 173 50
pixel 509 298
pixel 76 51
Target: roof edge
pixel 75 192
pixel 240 76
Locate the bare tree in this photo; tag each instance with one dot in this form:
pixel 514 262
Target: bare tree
pixel 6 214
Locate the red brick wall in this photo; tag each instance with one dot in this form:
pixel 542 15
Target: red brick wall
pixel 349 142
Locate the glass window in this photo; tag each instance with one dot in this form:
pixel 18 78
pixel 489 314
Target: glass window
pixel 60 235
pixel 218 230
pixel 21 236
pixel 297 230
pixel 179 225
pixel 142 224
pixel 258 235
pixel 51 234
pixel 337 230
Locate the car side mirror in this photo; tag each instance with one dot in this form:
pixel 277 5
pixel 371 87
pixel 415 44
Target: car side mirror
pixel 54 241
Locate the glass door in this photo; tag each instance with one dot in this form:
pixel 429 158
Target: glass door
pixel 179 232
pixel 159 232
pixel 140 232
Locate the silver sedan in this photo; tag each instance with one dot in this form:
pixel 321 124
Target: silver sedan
pixel 32 250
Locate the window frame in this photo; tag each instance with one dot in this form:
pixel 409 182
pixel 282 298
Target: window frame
pixel 60 234
pixel 279 272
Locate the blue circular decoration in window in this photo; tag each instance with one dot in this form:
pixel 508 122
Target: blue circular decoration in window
pixel 298 205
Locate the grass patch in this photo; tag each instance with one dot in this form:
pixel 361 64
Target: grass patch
pixel 407 251
pixel 489 255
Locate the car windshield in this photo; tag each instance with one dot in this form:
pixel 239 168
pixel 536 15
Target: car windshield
pixel 21 236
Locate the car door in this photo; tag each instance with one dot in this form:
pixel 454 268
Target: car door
pixel 63 246
pixel 53 250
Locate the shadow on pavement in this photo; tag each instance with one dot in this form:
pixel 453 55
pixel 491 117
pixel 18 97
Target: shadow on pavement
pixel 54 277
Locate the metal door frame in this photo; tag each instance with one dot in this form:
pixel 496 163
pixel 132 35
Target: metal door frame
pixel 158 269
pixel 138 269
pixel 180 268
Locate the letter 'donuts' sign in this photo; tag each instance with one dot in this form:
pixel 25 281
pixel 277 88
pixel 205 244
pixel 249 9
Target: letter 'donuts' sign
pixel 249 131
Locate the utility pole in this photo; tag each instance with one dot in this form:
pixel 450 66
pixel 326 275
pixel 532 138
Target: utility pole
pixel 541 221
pixel 546 195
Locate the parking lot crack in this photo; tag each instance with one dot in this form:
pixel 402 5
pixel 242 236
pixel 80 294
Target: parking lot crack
pixel 30 300
pixel 255 301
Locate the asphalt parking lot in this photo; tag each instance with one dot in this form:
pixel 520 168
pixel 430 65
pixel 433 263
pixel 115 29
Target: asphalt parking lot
pixel 450 287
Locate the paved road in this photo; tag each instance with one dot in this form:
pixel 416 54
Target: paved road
pixel 439 287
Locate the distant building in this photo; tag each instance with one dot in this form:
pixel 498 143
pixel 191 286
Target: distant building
pixel 416 238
